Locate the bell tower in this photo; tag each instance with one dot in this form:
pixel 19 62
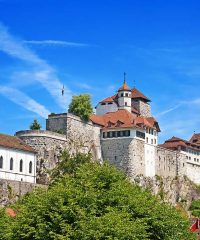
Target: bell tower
pixel 124 96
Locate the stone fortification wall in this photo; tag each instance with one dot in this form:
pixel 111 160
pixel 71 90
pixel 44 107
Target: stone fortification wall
pixel 48 145
pixel 57 123
pixel 83 136
pixel 126 154
pixel 170 163
pixel 11 191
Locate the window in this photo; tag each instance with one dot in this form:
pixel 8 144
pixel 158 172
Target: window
pixel 151 141
pixel 127 133
pixel 104 134
pixel 122 94
pixel 1 162
pixel 30 167
pixel 21 165
pixel 147 139
pixel 126 94
pixel 140 134
pixel 11 164
pixel 125 103
pixel 114 134
pixel 154 141
pixel 147 130
pixel 103 104
pixel 110 103
pixel 118 133
pixel 109 124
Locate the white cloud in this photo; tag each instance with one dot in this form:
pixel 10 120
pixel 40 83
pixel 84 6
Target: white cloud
pixel 168 110
pixel 23 100
pixel 56 43
pixel 41 71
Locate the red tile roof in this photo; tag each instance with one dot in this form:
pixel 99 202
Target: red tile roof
pixel 14 142
pixel 137 94
pixel 10 212
pixel 195 138
pixel 175 142
pixel 124 87
pixel 108 99
pixel 123 119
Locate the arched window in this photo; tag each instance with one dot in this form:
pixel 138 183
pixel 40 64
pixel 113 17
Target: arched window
pixel 30 167
pixel 1 162
pixel 11 164
pixel 21 165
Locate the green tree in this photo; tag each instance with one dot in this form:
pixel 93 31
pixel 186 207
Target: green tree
pixel 35 125
pixel 88 200
pixel 195 208
pixel 81 106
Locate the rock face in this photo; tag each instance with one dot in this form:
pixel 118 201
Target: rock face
pixel 175 191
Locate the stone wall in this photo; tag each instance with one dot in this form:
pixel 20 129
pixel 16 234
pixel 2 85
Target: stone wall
pixel 48 146
pixel 170 163
pixel 11 191
pixel 57 123
pixel 83 136
pixel 125 153
pixel 143 108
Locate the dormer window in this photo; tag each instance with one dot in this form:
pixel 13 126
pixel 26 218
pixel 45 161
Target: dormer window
pixel 110 124
pixel 103 104
pixel 119 123
pixel 110 103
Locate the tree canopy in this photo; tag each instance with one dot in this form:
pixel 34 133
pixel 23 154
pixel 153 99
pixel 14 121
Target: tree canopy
pixel 35 125
pixel 88 200
pixel 195 208
pixel 81 106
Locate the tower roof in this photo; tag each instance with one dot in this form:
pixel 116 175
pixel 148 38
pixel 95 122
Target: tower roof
pixel 137 94
pixel 124 87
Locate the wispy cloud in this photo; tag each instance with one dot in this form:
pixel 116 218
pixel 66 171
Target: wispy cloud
pixel 168 110
pixel 83 85
pixel 23 100
pixel 56 43
pixel 40 72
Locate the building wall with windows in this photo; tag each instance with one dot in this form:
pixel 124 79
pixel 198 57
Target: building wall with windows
pixel 104 107
pixel 17 165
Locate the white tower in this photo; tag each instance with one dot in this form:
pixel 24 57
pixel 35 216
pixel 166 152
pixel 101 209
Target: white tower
pixel 124 97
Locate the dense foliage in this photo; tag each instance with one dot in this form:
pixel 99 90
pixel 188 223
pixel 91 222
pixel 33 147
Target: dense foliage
pixel 195 208
pixel 35 125
pixel 88 200
pixel 81 106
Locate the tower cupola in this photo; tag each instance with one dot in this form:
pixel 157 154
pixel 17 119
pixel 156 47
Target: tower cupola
pixel 124 97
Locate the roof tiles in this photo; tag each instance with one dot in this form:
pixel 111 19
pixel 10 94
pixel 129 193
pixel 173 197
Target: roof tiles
pixel 8 141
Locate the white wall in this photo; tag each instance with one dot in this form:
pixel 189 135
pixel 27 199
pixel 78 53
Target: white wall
pixel 103 109
pixel 15 174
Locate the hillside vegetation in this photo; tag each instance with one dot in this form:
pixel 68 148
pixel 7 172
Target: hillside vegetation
pixel 88 200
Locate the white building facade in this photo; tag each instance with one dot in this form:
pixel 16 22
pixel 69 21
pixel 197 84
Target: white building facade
pixel 17 160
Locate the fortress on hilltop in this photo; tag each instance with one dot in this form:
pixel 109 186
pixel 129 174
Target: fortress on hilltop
pixel 124 132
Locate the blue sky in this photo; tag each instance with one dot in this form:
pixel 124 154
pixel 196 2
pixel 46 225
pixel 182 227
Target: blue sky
pixel 87 45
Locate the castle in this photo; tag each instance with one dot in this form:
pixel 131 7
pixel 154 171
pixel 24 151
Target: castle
pixel 123 132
